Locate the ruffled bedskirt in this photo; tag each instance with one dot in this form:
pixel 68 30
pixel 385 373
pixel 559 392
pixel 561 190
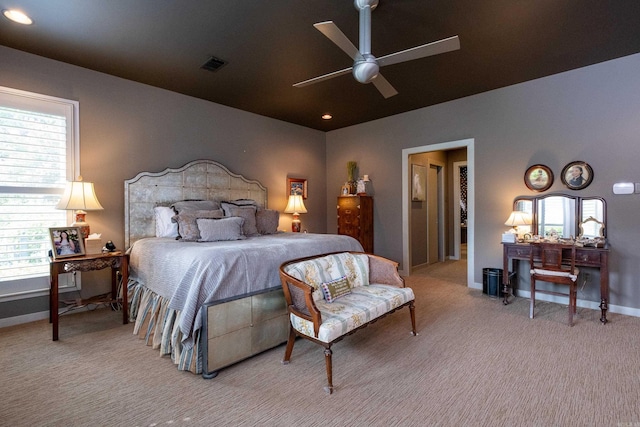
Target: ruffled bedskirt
pixel 159 327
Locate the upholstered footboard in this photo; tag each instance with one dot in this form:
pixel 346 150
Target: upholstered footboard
pixel 239 328
pixel 232 329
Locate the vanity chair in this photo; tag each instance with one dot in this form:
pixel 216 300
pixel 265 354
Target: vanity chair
pixel 551 267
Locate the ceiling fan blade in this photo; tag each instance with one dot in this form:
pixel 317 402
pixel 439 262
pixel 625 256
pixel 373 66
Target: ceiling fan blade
pixel 433 48
pixel 333 33
pixel 384 87
pixel 324 77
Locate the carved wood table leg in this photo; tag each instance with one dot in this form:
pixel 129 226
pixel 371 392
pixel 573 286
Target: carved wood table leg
pixel 603 309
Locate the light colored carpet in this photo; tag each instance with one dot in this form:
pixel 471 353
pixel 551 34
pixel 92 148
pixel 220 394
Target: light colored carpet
pixel 474 363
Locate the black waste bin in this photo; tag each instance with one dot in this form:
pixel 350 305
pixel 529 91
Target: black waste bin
pixel 492 282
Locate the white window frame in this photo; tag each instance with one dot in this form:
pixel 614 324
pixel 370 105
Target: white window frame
pixel 39 286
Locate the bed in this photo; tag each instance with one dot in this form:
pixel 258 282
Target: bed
pixel 209 304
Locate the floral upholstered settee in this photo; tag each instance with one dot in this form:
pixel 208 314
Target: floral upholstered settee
pixel 333 295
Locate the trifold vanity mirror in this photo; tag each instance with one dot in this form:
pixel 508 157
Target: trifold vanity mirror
pixel 565 215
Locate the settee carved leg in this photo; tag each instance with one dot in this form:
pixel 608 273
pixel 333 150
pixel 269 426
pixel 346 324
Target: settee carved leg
pixel 290 342
pixel 327 359
pixel 412 311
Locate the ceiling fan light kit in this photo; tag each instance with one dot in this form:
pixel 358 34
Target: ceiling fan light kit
pixel 366 67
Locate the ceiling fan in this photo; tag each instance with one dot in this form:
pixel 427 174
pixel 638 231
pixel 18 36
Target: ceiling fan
pixel 366 67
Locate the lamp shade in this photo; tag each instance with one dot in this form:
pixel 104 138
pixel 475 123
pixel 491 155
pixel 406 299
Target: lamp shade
pixel 79 195
pixel 518 218
pixel 295 205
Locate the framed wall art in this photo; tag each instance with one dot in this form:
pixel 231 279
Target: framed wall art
pixel 418 183
pixel 577 175
pixel 297 186
pixel 66 242
pixel 538 178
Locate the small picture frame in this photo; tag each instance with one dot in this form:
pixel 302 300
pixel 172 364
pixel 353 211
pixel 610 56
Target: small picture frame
pixel 297 186
pixel 538 178
pixel 418 183
pixel 66 242
pixel 577 175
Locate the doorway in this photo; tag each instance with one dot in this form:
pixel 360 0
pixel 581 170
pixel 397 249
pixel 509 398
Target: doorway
pixel 459 199
pixel 435 213
pixel 467 144
pixel 428 209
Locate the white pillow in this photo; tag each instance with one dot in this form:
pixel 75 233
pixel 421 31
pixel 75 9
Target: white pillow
pixel 164 226
pixel 214 230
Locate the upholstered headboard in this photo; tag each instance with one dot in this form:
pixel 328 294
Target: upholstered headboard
pixel 197 180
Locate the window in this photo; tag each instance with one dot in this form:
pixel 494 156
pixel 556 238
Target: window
pixel 38 154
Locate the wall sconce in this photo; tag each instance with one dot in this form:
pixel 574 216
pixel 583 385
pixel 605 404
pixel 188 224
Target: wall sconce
pixel 296 207
pixel 81 197
pixel 626 188
pixel 516 219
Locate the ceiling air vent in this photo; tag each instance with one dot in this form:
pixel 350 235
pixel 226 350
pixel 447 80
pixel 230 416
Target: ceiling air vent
pixel 213 64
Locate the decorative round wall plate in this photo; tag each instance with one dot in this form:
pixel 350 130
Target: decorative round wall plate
pixel 577 175
pixel 538 178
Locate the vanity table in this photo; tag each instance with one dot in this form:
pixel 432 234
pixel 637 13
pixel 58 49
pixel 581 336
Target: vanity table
pixel 512 253
pixel 563 215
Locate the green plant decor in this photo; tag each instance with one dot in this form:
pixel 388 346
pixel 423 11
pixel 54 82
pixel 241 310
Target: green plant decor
pixel 351 170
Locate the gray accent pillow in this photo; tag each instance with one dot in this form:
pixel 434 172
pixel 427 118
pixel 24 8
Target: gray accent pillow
pixel 187 225
pixel 195 205
pixel 246 212
pixel 215 230
pixel 267 221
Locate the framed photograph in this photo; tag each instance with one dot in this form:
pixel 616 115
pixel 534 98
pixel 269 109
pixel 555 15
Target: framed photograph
pixel 297 186
pixel 538 178
pixel 418 183
pixel 66 242
pixel 577 175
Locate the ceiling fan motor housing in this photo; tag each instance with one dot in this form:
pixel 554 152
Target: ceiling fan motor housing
pixel 366 69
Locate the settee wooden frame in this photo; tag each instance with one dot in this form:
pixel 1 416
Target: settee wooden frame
pixel 298 296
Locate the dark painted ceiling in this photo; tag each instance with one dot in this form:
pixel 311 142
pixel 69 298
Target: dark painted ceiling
pixel 271 44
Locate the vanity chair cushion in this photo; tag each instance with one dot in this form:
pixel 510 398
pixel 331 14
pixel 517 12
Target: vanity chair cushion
pixel 543 272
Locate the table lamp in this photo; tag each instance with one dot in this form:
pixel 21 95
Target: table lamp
pixel 296 207
pixel 80 196
pixel 518 218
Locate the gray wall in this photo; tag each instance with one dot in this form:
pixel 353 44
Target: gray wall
pixel 127 127
pixel 590 114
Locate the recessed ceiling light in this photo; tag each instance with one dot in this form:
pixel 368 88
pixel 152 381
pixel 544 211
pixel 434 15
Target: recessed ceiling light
pixel 17 16
pixel 327 117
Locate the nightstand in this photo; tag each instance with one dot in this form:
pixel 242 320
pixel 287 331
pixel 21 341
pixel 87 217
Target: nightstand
pixel 117 261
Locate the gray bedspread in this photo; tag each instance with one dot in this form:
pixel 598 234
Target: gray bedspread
pixel 190 274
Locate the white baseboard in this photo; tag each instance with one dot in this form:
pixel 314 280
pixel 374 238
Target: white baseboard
pixel 594 305
pixel 25 318
pixel 33 317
